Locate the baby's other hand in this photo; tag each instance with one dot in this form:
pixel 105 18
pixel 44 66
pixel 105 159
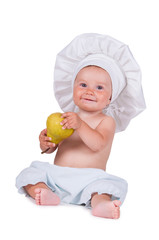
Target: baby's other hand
pixel 45 141
pixel 72 120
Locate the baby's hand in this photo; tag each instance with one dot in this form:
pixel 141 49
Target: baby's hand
pixel 72 120
pixel 45 141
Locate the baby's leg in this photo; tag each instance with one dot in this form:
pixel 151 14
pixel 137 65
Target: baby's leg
pixel 42 194
pixel 102 206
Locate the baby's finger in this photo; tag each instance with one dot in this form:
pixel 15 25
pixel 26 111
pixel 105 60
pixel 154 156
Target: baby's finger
pixel 44 132
pixel 63 121
pixel 44 139
pixel 65 125
pixel 70 124
pixel 66 114
pixel 50 144
pixel 47 139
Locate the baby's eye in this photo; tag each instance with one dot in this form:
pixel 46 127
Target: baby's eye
pixel 83 85
pixel 99 87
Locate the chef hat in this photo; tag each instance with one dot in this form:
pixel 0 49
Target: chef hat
pixel 113 56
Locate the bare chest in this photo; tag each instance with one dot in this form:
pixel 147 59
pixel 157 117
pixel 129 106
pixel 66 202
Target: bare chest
pixel 74 153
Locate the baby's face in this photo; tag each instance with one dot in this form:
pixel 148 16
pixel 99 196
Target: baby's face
pixel 92 89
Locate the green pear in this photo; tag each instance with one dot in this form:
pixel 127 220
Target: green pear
pixel 54 128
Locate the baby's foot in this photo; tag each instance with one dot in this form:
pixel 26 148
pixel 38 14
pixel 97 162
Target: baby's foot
pixel 46 197
pixel 107 209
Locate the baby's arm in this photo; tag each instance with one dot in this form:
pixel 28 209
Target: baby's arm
pixel 95 139
pixel 45 142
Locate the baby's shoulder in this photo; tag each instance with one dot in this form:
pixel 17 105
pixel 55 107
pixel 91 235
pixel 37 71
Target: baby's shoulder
pixel 107 118
pixel 107 121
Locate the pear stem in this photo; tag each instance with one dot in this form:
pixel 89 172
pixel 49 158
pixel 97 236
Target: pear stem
pixel 45 151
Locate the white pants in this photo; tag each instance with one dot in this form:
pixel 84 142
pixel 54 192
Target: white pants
pixel 73 185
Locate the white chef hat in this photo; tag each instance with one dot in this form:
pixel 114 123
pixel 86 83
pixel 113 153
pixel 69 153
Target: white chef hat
pixel 113 56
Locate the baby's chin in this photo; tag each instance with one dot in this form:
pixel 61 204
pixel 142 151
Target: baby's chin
pixel 90 109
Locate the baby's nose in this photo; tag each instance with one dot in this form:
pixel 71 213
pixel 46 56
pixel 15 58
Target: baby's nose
pixel 89 92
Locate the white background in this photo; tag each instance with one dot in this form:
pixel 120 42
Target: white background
pixel 32 33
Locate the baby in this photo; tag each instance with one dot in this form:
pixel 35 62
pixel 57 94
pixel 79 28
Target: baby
pixel 78 174
pixel 90 145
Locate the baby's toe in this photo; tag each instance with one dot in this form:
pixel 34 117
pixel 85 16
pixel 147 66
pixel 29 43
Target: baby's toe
pixel 37 190
pixel 37 199
pixel 116 214
pixel 38 196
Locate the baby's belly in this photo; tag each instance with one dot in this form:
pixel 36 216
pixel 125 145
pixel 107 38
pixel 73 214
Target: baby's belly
pixel 80 159
pixel 72 152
